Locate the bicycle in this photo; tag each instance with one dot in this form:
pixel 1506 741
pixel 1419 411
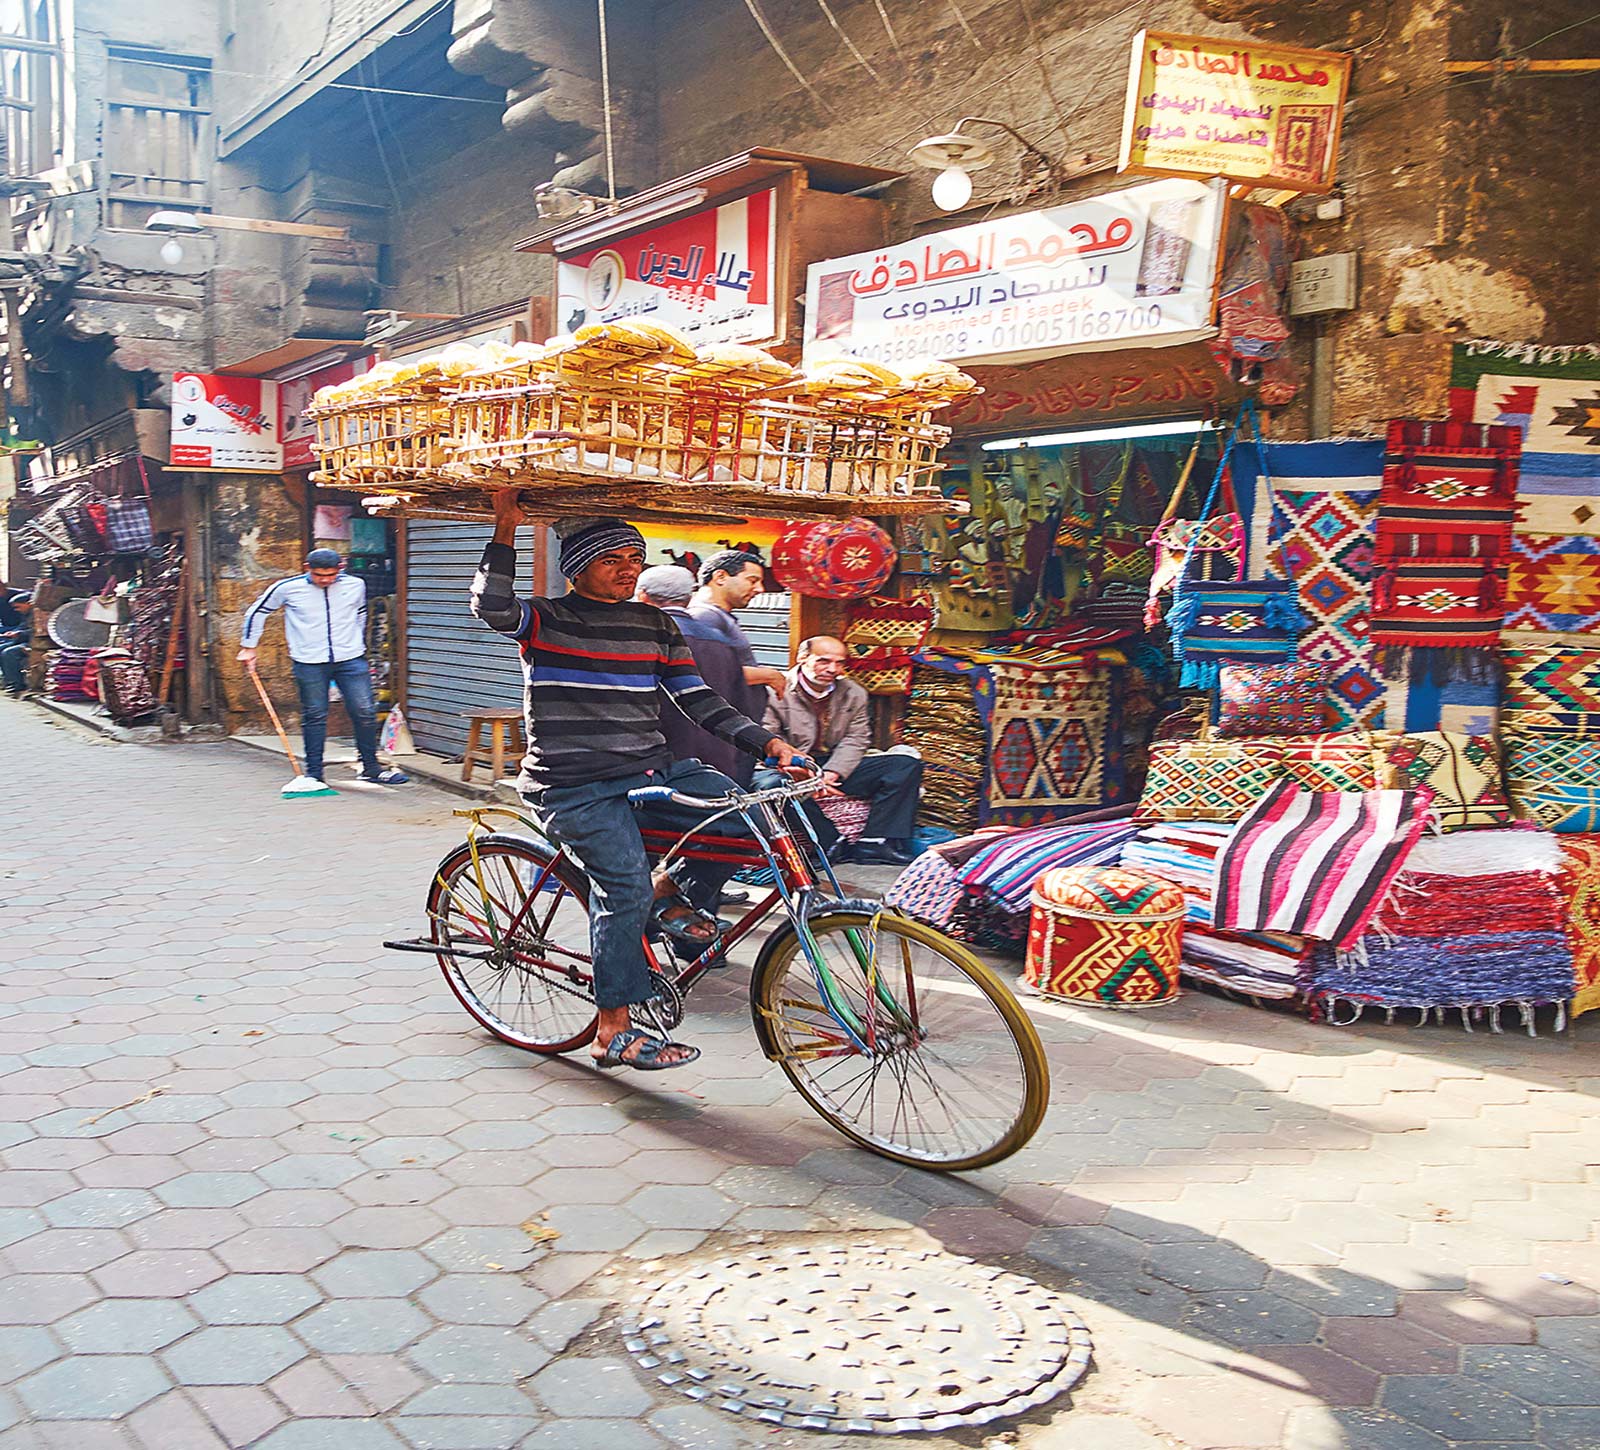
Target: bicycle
pixel 896 1035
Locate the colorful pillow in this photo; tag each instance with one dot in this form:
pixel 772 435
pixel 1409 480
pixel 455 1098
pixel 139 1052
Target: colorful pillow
pixel 1462 771
pixel 1207 780
pixel 1344 762
pixel 1272 699
pixel 1555 781
pixel 1552 688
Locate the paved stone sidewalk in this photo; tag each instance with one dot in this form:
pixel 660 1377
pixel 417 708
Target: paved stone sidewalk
pixel 265 1186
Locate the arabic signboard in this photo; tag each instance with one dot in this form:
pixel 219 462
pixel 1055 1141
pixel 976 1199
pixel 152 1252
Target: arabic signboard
pixel 1131 268
pixel 295 430
pixel 1093 388
pixel 1266 114
pixel 709 274
pixel 224 422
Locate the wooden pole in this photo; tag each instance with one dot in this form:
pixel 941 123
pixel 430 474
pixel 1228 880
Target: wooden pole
pixel 180 606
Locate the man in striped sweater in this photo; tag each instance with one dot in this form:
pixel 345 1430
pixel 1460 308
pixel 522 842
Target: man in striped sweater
pixel 596 664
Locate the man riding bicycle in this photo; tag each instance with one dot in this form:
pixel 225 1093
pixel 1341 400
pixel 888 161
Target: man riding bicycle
pixel 595 665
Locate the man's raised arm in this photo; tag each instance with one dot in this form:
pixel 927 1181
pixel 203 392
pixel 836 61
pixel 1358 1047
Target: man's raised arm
pixel 494 586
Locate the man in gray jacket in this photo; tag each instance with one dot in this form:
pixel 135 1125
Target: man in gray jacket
pixel 828 717
pixel 325 626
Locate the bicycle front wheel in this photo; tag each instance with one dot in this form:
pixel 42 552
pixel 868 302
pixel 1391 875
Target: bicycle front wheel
pixel 512 928
pixel 946 1071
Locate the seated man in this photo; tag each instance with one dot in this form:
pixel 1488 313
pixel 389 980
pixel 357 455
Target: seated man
pixel 596 664
pixel 14 638
pixel 826 716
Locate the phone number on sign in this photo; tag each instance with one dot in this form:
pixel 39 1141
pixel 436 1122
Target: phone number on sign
pixel 909 349
pixel 1076 327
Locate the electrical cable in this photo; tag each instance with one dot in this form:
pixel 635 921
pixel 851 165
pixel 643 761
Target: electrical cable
pixel 849 44
pixel 605 105
pixel 783 55
pixel 1044 70
pixel 966 25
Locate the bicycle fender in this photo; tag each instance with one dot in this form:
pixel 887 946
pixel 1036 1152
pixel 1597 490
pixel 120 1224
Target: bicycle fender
pixel 819 906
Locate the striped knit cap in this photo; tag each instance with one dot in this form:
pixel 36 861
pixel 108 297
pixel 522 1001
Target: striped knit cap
pixel 584 545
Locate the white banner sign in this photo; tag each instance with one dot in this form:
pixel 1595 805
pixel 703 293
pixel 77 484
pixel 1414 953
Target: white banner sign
pixel 710 275
pixel 1133 268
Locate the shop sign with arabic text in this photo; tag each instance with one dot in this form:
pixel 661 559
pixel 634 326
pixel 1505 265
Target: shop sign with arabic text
pixel 1131 268
pixel 709 274
pixel 1265 114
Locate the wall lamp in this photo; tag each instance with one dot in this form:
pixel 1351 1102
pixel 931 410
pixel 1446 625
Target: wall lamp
pixel 955 155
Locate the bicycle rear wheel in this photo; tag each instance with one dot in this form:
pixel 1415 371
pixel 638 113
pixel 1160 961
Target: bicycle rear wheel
pixel 512 928
pixel 954 1075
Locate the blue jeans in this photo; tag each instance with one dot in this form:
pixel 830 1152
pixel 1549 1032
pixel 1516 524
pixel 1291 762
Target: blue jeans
pixel 354 679
pixel 600 831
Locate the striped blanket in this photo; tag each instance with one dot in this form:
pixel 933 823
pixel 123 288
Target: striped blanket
pixel 1315 863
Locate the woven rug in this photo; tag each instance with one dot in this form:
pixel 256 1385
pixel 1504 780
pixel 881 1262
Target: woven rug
pixel 927 889
pixel 1580 888
pixel 1322 540
pixel 1430 698
pixel 1553 688
pixel 945 722
pixel 1007 870
pixel 1444 526
pixel 1052 743
pixel 1316 864
pixel 1554 586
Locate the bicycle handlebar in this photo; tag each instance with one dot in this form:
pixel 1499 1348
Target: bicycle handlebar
pixel 665 795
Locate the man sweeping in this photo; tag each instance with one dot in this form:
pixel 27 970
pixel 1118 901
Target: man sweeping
pixel 597 664
pixel 325 624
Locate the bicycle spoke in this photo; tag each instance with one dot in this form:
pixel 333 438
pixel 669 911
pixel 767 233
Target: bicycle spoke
pixel 945 1082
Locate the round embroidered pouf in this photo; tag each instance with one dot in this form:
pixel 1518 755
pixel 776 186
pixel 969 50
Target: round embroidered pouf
pixel 833 558
pixel 1105 936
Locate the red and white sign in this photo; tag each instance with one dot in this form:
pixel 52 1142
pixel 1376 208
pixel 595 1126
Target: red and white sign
pixel 297 432
pixel 225 422
pixel 710 275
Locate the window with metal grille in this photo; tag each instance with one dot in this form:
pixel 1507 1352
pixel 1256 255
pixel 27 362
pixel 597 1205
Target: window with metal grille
pixel 156 141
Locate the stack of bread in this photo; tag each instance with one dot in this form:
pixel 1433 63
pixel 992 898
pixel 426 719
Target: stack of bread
pixel 632 400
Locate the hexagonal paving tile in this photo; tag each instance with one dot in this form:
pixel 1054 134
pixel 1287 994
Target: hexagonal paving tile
pixel 374 1274
pixel 362 1326
pixel 93 1387
pixel 126 1326
pixel 580 1388
pixel 255 1299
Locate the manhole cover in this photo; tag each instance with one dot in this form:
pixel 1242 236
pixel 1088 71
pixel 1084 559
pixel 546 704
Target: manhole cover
pixel 858 1337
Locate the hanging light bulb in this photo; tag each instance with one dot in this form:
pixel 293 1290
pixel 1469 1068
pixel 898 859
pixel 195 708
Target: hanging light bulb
pixel 172 251
pixel 952 188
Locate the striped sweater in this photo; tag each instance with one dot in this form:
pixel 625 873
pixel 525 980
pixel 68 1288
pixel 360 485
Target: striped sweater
pixel 597 678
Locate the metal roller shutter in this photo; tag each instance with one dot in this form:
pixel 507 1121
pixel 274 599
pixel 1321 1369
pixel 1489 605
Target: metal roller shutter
pixel 454 662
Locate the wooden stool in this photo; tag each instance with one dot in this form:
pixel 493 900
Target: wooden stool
pixel 505 729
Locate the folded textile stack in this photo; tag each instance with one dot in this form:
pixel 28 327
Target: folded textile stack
pixel 943 723
pixel 978 887
pixel 1433 947
pixel 73 675
pixel 1259 964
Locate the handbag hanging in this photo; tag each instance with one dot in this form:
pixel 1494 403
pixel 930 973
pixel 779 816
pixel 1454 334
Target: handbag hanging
pixel 1215 623
pixel 1214 538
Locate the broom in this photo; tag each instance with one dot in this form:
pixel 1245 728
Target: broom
pixel 302 787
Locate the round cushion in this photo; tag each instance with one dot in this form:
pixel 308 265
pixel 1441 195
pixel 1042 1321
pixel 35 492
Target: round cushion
pixel 1108 891
pixel 833 558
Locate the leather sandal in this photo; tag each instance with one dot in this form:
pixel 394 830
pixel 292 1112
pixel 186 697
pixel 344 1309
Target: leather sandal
pixel 647 1058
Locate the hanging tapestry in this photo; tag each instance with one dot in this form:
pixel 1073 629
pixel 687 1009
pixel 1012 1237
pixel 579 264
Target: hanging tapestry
pixel 1580 886
pixel 1462 771
pixel 1555 781
pixel 1554 584
pixel 1322 540
pixel 1444 527
pixel 1551 395
pixel 1051 734
pixel 1207 780
pixel 1552 689
pixel 1466 701
pixel 1314 863
pixel 1217 624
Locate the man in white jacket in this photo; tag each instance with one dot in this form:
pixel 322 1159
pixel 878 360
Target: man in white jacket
pixel 325 624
